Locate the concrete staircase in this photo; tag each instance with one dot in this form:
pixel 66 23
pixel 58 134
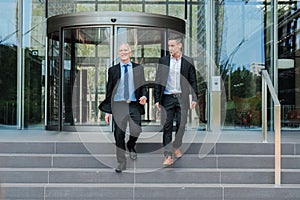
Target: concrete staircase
pixel 75 170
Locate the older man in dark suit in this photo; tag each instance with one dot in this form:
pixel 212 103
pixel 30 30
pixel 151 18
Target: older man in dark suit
pixel 126 96
pixel 175 81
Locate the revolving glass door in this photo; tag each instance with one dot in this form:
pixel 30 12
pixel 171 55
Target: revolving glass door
pixel 79 57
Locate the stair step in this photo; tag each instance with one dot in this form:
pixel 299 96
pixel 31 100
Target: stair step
pixel 150 191
pixel 145 161
pixel 150 175
pixel 154 148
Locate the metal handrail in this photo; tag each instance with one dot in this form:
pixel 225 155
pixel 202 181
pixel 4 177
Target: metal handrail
pixel 266 81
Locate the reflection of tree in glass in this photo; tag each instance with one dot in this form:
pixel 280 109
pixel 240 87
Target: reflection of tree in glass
pixel 245 94
pixel 96 73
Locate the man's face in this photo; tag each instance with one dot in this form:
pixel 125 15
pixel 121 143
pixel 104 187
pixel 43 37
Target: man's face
pixel 124 53
pixel 174 47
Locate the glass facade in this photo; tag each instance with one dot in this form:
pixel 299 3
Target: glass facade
pixel 22 63
pixel 230 39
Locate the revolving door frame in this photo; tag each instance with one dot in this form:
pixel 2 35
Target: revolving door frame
pixel 113 20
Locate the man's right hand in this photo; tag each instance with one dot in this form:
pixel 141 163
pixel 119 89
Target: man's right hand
pixel 157 105
pixel 107 116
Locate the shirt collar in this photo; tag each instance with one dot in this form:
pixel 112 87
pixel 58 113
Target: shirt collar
pixel 129 64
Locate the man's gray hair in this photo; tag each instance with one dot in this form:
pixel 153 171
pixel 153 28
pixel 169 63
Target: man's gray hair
pixel 126 44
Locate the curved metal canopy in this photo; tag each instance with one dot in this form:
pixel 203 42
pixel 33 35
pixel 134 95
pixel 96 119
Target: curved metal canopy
pixel 114 18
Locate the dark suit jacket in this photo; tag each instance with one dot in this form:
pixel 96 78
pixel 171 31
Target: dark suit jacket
pixel 114 75
pixel 188 80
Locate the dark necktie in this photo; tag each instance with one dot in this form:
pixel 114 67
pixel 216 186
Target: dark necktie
pixel 126 87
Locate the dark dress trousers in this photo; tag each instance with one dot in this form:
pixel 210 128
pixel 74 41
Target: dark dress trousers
pixel 175 106
pixel 122 111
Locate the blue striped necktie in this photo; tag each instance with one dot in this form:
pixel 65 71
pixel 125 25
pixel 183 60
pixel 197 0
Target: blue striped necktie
pixel 126 85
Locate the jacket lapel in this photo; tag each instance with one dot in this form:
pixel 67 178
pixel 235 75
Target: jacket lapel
pixel 118 71
pixel 183 63
pixel 134 74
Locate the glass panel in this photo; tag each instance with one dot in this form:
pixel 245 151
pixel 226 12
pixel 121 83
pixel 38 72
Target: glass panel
pixel 34 27
pixel 176 10
pixel 34 90
pixel 85 7
pixel 8 63
pixel 241 58
pixel 155 8
pixel 155 1
pixel 289 63
pixel 146 45
pixel 132 7
pixel 8 85
pixel 60 7
pixel 108 7
pixel 53 80
pixel 197 44
pixel 86 58
pixel 8 20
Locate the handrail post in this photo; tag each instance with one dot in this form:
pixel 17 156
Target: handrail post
pixel 277 127
pixel 277 122
pixel 264 109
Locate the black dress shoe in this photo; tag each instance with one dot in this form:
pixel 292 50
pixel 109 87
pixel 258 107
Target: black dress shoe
pixel 121 167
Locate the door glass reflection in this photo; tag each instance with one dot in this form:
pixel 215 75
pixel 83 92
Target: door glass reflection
pixel 53 94
pixel 86 57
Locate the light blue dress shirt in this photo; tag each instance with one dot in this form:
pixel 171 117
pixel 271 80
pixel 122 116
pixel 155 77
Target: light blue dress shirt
pixel 120 90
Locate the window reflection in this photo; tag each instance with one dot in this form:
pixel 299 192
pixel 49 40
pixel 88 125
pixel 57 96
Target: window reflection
pixel 242 56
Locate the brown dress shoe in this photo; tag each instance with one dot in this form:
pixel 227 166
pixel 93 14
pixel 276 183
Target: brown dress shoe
pixel 132 153
pixel 177 153
pixel 168 161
